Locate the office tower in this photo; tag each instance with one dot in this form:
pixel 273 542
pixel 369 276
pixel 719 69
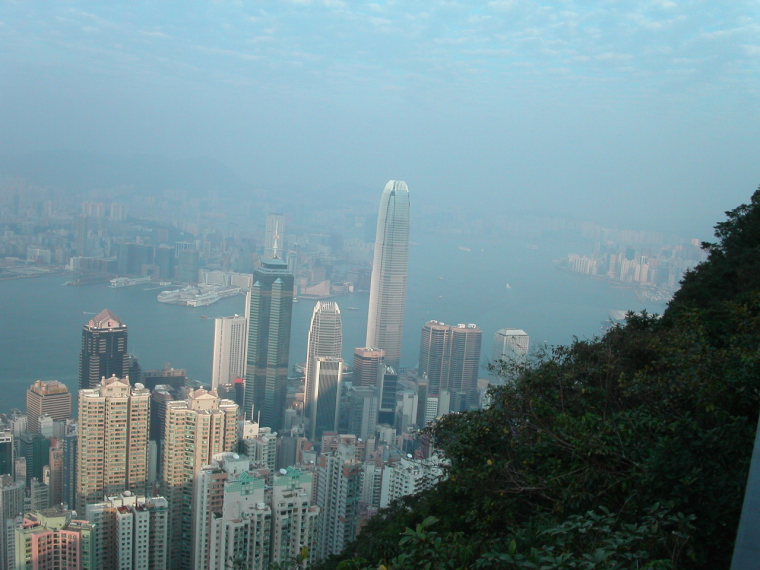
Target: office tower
pixel 466 340
pixel 38 495
pixel 369 366
pixel 323 395
pixel 55 471
pixel 339 488
pixel 54 539
pixel 362 411
pixel 449 361
pixel 386 412
pixel 70 448
pixel 11 505
pixel 269 308
pixel 274 237
pixel 511 345
pixel 197 428
pixel 165 262
pixel 230 342
pixel 36 450
pixel 174 378
pixel 130 531
pixel 113 440
pixel 390 265
pixel 7 452
pixel 51 398
pixel 325 339
pixel 104 350
pixel 188 266
pixel 406 414
pixel 435 355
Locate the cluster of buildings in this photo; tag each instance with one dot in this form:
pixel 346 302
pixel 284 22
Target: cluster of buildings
pixel 98 241
pixel 647 267
pixel 257 468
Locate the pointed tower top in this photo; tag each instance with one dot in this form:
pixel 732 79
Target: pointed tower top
pixel 105 319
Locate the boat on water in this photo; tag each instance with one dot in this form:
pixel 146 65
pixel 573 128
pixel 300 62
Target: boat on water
pixel 200 296
pixel 128 281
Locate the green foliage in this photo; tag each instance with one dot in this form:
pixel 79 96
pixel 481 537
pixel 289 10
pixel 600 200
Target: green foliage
pixel 627 451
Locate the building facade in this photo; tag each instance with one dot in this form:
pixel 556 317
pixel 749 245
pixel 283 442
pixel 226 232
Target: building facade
pixel 269 309
pixel 54 539
pixel 130 532
pixel 449 363
pixel 50 398
pixel 323 395
pixel 112 454
pixel 197 428
pixel 325 340
pixel 390 268
pixel 230 343
pixel 104 350
pixel 510 345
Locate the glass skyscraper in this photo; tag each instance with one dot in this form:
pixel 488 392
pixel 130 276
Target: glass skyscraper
pixel 390 265
pixel 104 350
pixel 326 342
pixel 269 308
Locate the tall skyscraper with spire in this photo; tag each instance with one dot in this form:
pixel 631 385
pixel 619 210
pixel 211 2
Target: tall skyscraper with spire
pixel 325 342
pixel 104 350
pixel 269 308
pixel 390 266
pixel 274 237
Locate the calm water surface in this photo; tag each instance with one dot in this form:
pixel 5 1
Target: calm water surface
pixel 454 280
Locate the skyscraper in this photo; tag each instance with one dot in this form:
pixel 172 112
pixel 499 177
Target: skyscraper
pixel 197 428
pixel 51 398
pixel 387 296
pixel 449 361
pixel 269 309
pixel 325 340
pixel 104 350
pixel 511 345
pixel 323 395
pixel 228 362
pixel 369 366
pixel 274 238
pixel 113 440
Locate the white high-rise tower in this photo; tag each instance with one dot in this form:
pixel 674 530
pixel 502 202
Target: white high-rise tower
pixel 325 341
pixel 230 344
pixel 390 265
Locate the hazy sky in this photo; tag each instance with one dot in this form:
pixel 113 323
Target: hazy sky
pixel 614 110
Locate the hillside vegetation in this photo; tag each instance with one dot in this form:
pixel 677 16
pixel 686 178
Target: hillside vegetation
pixel 626 451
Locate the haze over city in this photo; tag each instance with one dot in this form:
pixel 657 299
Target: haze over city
pixel 316 283
pixel 639 112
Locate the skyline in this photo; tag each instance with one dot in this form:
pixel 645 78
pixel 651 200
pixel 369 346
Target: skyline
pixel 592 109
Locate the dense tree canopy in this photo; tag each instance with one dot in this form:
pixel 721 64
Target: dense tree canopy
pixel 626 451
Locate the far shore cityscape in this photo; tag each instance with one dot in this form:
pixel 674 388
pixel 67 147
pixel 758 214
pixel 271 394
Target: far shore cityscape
pixel 278 457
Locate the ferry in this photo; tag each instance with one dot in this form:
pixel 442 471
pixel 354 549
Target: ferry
pixel 128 281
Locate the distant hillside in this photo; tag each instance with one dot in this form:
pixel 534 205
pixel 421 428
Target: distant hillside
pixel 628 451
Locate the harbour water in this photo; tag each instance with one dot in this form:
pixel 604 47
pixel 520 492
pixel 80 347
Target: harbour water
pixel 455 280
